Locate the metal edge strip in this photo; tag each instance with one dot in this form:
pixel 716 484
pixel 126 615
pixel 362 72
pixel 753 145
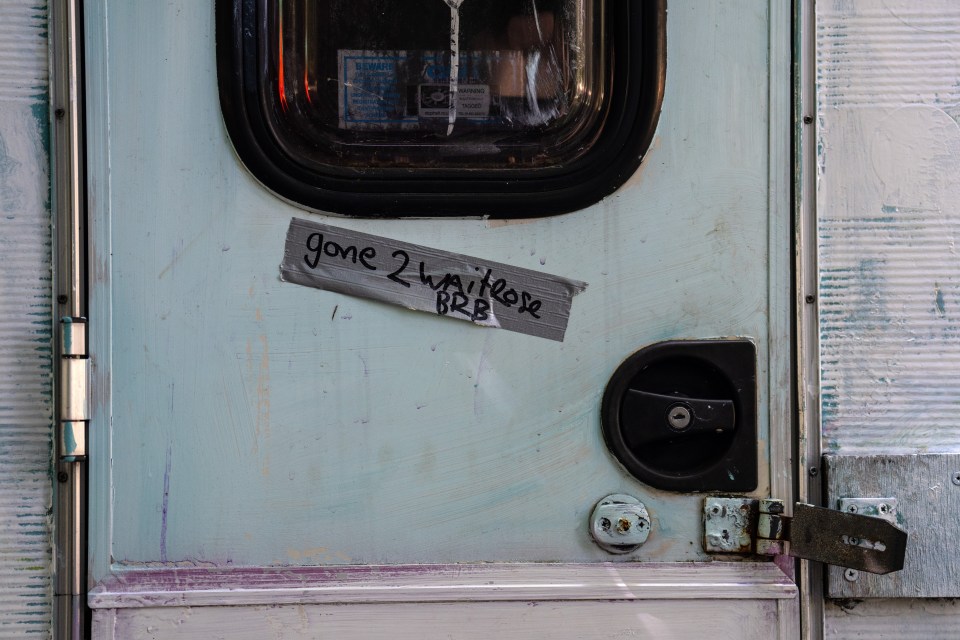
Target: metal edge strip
pixel 808 346
pixel 441 583
pixel 68 193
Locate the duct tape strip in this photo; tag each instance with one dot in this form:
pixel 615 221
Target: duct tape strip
pixel 486 293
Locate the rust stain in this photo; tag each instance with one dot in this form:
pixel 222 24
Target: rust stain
pixel 316 554
pixel 495 223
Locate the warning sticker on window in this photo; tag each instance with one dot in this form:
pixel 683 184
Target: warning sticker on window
pixel 406 90
pixel 473 101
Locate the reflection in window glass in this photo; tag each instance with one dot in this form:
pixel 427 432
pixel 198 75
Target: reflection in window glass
pixel 435 83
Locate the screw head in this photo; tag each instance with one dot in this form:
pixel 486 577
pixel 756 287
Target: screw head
pixel 852 508
pixel 810 298
pixel 807 119
pixel 955 479
pixel 62 299
pixel 62 476
pixel 813 471
pixel 851 575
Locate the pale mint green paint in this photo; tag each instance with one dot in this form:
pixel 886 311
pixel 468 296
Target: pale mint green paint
pixel 310 427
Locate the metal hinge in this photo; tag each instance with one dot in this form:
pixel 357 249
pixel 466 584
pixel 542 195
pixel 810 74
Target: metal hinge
pixel 842 538
pixel 74 395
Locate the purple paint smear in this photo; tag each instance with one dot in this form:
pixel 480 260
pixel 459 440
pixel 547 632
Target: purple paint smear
pixel 163 509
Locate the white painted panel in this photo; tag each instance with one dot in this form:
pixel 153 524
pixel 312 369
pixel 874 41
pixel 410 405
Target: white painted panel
pixel 25 321
pixel 604 600
pixel 664 620
pixel 888 76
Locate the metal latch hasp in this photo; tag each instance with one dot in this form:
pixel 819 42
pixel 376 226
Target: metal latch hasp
pixel 745 525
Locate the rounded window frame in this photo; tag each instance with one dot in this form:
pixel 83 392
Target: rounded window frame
pixel 636 86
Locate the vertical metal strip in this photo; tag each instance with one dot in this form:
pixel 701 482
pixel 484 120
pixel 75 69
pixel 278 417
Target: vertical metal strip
pixel 780 266
pixel 808 345
pixel 68 192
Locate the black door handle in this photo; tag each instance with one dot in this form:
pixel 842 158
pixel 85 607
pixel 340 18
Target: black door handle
pixel 653 417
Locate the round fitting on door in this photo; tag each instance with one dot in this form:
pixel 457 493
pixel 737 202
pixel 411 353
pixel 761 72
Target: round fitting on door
pixel 619 523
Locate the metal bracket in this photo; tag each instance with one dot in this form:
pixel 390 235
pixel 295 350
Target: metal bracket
pixel 843 538
pixel 927 487
pixel 74 397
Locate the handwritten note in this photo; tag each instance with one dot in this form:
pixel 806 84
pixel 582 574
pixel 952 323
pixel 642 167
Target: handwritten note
pixel 484 292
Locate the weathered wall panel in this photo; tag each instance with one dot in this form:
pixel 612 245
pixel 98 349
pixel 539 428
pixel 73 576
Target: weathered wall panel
pixel 888 89
pixel 25 350
pixel 888 75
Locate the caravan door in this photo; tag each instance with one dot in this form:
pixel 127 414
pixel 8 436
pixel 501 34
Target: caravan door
pixel 300 451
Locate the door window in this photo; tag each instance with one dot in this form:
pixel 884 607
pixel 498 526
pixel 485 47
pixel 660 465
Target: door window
pixel 397 106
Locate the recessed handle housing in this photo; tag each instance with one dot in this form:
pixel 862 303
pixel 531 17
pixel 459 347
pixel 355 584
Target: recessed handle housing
pixel 682 415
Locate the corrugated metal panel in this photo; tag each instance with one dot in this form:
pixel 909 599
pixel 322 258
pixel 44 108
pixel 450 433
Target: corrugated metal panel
pixel 888 89
pixel 888 77
pixel 25 336
pixel 23 50
pixel 894 619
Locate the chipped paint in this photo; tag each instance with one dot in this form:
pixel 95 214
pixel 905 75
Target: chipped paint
pixel 25 324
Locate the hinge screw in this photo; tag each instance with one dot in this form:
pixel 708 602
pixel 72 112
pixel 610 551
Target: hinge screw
pixel 807 119
pixel 810 298
pixel 63 476
pixel 813 472
pixel 851 575
pixel 956 478
pixel 852 508
pixel 62 299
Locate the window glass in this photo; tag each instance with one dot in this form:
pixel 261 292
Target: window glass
pixel 435 83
